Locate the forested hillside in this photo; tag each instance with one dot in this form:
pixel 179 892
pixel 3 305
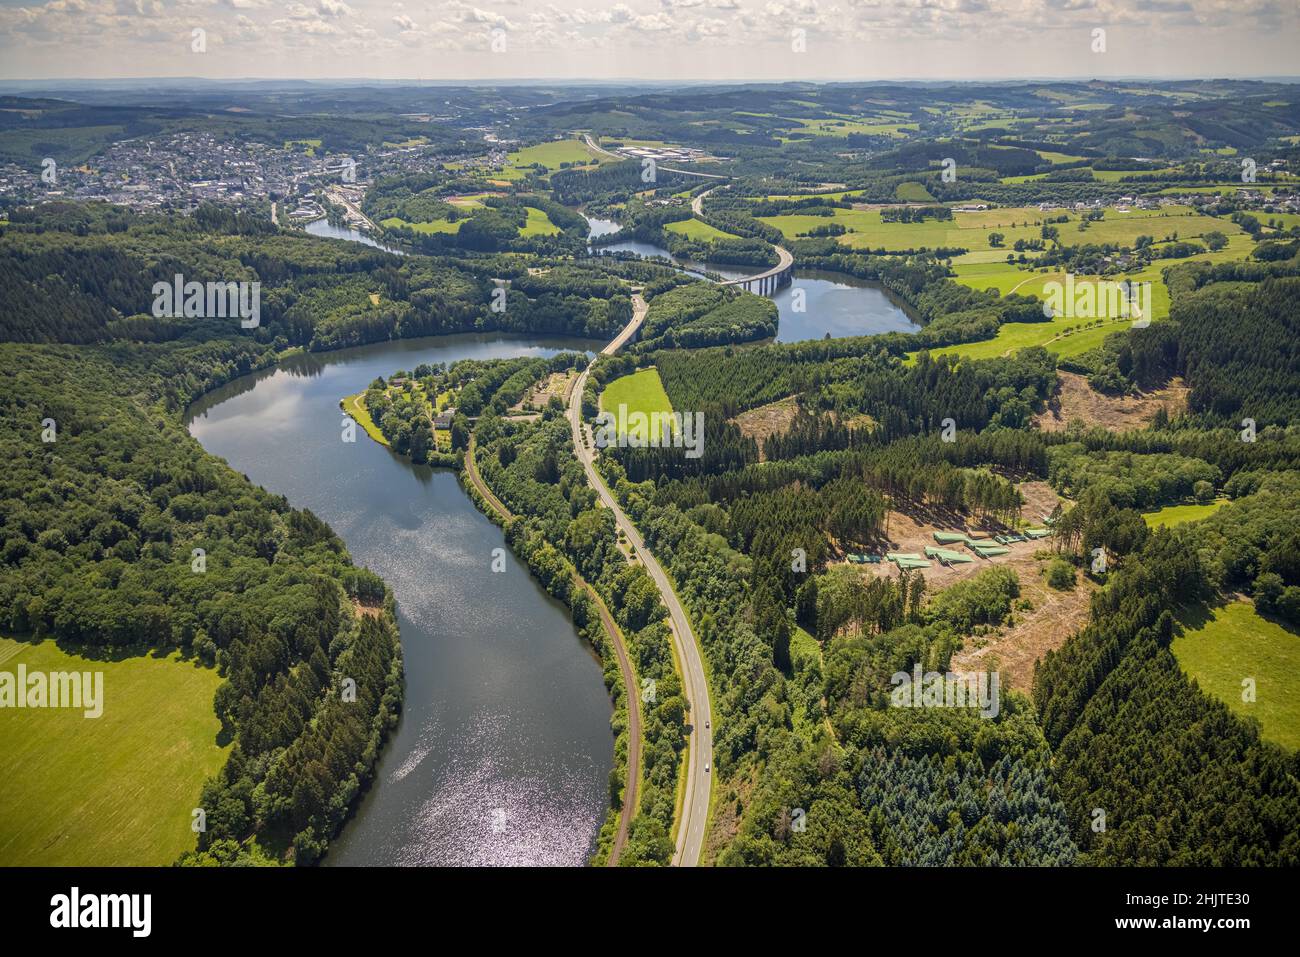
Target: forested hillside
pixel 122 536
pixel 85 273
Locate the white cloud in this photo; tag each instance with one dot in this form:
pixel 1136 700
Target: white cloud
pixel 737 38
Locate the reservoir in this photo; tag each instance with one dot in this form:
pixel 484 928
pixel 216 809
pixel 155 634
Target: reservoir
pixel 322 227
pixel 504 748
pixel 838 305
pixel 834 304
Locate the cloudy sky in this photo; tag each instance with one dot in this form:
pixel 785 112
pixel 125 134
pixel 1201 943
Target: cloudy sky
pixel 647 39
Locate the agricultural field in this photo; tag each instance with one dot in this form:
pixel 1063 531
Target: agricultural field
pixel 1066 335
pixel 552 155
pixel 1172 515
pixel 471 201
pixel 970 230
pixel 1063 336
pixel 113 790
pixel 833 195
pixel 1054 157
pixel 1098 175
pixel 642 391
pixel 843 125
pixel 433 226
pixel 538 224
pixel 1286 220
pixel 1234 643
pixel 697 229
pixel 912 193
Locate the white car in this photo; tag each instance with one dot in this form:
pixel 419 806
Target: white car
pixel 706 767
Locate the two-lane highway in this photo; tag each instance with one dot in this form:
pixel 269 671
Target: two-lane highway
pixel 699 773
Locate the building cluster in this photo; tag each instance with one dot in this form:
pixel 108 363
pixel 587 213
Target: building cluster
pixel 178 171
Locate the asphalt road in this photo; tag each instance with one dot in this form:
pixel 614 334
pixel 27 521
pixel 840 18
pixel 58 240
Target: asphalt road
pixel 695 807
pixel 633 784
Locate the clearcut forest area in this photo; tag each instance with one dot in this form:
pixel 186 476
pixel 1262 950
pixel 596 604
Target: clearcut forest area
pixel 971 535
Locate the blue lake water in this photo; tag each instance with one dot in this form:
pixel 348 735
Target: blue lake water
pixel 504 749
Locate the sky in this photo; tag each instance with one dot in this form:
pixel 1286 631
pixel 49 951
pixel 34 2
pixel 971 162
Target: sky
pixel 649 39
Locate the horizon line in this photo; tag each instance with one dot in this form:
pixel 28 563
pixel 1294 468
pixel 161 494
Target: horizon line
pixel 597 81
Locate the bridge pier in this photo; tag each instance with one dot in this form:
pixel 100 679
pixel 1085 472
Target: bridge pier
pixel 767 284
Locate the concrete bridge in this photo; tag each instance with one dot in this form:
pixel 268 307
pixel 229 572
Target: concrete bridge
pixel 764 283
pixel 767 282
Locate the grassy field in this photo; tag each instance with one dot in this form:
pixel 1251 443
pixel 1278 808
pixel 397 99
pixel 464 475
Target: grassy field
pixel 805 652
pixel 1098 175
pixel 113 790
pixel 312 145
pixel 354 407
pixel 553 154
pixel 912 193
pixel 408 142
pixel 970 230
pixel 849 194
pixel 472 201
pixel 642 391
pixel 1067 336
pixel 1061 336
pixel 538 224
pixel 1237 643
pixel 1172 515
pixel 698 229
pixel 843 125
pixel 1052 157
pixel 434 226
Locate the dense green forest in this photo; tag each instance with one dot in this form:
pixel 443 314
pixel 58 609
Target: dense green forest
pixel 84 273
pixel 121 535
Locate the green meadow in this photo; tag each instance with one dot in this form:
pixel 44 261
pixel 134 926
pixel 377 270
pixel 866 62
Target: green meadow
pixel 311 145
pixel 642 391
pixel 849 194
pixel 1172 515
pixel 538 224
pixel 912 193
pixel 843 125
pixel 1099 175
pixel 553 154
pixel 1236 643
pixel 697 229
pixel 115 790
pixel 433 226
pixel 970 230
pixel 355 406
pixel 1063 335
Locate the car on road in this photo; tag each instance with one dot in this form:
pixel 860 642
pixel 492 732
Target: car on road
pixel 706 767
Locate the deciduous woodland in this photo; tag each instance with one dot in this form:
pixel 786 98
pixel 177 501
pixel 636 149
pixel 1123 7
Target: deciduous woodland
pixel 1066 503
